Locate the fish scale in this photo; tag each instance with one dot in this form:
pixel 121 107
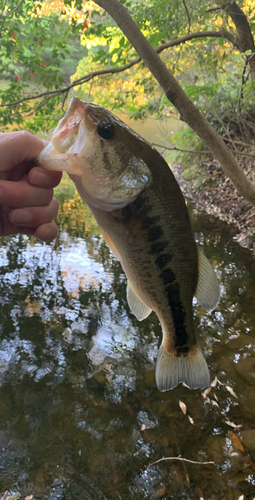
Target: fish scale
pixel 143 217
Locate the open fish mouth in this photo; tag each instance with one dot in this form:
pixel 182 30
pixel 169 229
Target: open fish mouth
pixel 68 140
pixel 71 134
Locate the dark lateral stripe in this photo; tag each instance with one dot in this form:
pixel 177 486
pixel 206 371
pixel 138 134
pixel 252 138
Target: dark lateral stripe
pixel 162 260
pixel 172 291
pixel 154 233
pixel 147 222
pixel 158 247
pixel 168 277
pixel 141 205
pixel 178 314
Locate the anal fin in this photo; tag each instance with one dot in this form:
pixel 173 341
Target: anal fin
pixel 137 306
pixel 190 369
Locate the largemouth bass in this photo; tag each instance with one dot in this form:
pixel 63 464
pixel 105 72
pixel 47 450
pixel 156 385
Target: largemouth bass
pixel 143 217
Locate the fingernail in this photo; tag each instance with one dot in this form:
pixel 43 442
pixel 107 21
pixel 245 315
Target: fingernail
pixel 38 178
pixel 21 216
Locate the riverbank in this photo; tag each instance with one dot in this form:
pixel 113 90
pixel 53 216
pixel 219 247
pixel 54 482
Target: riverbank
pixel 207 185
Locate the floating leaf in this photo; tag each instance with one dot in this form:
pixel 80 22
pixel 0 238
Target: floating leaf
pixel 183 407
pixel 214 403
pixel 231 424
pixel 214 382
pixel 229 389
pixel 191 420
pixel 241 497
pixel 235 441
pixel 204 393
pixel 29 497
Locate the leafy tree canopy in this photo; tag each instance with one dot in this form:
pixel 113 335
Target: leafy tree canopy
pixel 50 47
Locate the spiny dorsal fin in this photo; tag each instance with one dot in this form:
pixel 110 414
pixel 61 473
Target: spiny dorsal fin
pixel 137 306
pixel 208 290
pixel 191 369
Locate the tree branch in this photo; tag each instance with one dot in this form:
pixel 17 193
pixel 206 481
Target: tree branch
pixel 4 5
pixel 187 12
pixel 178 98
pixel 15 10
pixel 111 71
pixel 196 152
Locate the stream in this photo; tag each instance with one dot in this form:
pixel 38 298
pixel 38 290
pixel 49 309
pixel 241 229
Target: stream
pixel 80 415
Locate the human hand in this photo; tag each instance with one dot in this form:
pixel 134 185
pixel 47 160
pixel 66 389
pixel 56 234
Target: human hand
pixel 27 205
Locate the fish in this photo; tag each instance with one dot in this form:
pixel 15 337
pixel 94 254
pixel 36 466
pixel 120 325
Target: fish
pixel 143 217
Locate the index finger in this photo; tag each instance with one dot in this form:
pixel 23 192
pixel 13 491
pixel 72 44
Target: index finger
pixel 17 147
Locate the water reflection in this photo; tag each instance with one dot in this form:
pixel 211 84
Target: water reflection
pixel 80 416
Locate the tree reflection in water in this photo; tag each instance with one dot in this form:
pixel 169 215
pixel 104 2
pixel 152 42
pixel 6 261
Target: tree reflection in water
pixel 80 416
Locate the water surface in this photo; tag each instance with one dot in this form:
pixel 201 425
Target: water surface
pixel 80 415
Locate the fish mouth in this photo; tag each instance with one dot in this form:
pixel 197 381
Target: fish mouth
pixel 71 134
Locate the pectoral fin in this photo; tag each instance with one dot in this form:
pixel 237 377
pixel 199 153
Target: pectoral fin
pixel 137 306
pixel 208 290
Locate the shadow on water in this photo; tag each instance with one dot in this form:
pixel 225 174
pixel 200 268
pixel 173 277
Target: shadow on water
pixel 80 415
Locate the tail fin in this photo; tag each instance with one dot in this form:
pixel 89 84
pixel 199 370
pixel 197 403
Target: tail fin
pixel 191 369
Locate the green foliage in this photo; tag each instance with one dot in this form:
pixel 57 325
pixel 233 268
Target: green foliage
pixel 39 53
pixel 32 52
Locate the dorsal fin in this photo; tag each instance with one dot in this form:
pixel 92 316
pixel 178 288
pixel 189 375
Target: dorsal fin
pixel 208 290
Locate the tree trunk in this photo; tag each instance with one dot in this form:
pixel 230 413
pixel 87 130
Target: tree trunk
pixel 244 39
pixel 178 98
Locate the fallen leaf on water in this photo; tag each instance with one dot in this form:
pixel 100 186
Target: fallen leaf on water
pixel 204 393
pixel 12 497
pixel 29 497
pixel 214 382
pixel 185 385
pixel 231 424
pixel 235 441
pixel 241 497
pixel 214 403
pixel 183 407
pixel 191 420
pixel 142 429
pixel 229 389
pixel 161 491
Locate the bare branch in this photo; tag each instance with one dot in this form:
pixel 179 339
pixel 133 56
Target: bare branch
pixel 178 98
pixel 187 12
pixel 244 80
pixel 174 148
pixel 14 10
pixel 4 5
pixel 182 460
pixel 111 71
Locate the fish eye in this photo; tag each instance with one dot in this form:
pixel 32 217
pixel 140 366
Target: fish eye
pixel 106 130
